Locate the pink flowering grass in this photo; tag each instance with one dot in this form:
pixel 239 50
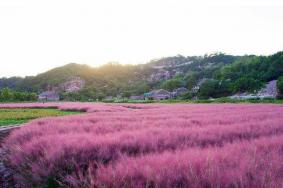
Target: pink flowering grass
pixel 151 145
pixel 245 164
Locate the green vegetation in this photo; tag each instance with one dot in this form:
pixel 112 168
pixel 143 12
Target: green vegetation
pixel 280 86
pixel 18 116
pixel 220 74
pixel 214 89
pixel 245 74
pixel 8 95
pixel 85 94
pixel 172 84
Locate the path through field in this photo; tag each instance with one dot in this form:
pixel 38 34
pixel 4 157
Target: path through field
pixel 6 178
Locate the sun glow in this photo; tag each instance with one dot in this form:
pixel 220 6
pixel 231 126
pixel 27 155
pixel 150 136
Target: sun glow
pixel 38 35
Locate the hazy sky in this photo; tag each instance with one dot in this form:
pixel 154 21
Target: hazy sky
pixel 37 35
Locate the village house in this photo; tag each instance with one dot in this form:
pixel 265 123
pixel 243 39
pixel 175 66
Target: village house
pixel 48 96
pixel 137 97
pixel 159 94
pixel 109 98
pixel 119 96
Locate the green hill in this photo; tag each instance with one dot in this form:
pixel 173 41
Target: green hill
pixel 220 73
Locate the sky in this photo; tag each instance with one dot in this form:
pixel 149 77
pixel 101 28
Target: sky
pixel 37 35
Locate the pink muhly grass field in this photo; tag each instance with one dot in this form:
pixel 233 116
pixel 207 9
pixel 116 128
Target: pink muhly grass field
pixel 150 145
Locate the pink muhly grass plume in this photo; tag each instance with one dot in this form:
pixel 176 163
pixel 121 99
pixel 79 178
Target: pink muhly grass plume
pixel 151 145
pixel 243 164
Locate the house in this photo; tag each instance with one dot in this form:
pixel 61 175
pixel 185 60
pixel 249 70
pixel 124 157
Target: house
pixel 48 96
pixel 119 96
pixel 138 97
pixel 159 94
pixel 179 91
pixel 197 86
pixel 195 89
pixel 109 98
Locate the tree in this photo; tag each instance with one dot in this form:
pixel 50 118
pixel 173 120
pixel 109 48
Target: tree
pixel 187 95
pixel 100 96
pixel 246 84
pixel 213 88
pixel 171 84
pixel 275 66
pixel 208 89
pixel 6 94
pixel 32 96
pixel 141 88
pixel 126 94
pixel 191 81
pixel 280 86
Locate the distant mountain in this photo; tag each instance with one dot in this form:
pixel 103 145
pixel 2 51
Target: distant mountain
pixel 233 73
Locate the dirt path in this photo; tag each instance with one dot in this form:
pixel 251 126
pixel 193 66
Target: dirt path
pixel 5 174
pixel 5 131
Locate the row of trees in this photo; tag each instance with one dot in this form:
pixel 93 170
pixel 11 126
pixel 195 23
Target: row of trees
pixel 9 95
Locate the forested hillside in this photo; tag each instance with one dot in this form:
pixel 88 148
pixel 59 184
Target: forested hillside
pixel 214 75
